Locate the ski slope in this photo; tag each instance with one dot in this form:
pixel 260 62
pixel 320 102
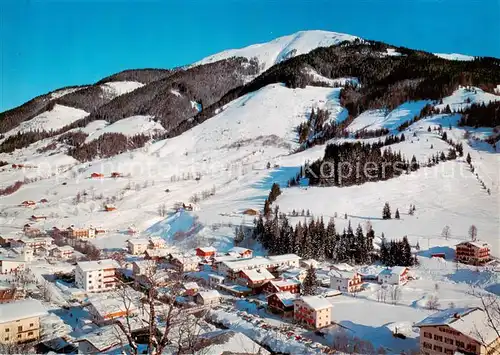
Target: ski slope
pixel 128 126
pixel 282 48
pixel 117 88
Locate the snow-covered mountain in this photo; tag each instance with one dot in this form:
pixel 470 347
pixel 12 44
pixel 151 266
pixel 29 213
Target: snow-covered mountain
pixel 282 48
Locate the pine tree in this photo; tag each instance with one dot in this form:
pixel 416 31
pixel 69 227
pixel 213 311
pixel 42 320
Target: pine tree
pixel 406 257
pixel 396 215
pixel 310 284
pixel 330 239
pixel 360 252
pixel 384 250
pixel 267 208
pixel 468 159
pixel 386 212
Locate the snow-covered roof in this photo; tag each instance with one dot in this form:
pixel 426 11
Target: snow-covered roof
pixel 256 275
pixel 207 295
pixel 286 298
pixel 284 257
pixel 105 306
pixel 21 310
pixel 98 265
pixel 295 272
pixel 222 258
pixel 472 322
pixel 342 274
pixel 208 249
pixel 247 263
pixel 476 243
pixel 162 252
pixel 139 241
pixel 190 285
pixel 316 302
pixel 284 282
pixel 238 250
pixel 187 259
pixel 66 248
pixel 156 240
pixel 395 270
pixel 230 342
pixel 105 337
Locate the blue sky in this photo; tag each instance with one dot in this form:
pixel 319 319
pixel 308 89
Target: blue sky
pixel 49 44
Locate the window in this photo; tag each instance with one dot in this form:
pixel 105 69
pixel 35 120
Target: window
pixel 20 328
pixel 427 335
pixel 448 351
pixel 438 337
pixel 448 341
pixel 427 346
pixel 7 330
pixel 471 348
pixel 460 344
pixel 30 333
pixel 438 348
pixel 31 325
pixel 18 336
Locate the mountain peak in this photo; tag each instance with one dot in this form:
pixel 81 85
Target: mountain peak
pixel 282 48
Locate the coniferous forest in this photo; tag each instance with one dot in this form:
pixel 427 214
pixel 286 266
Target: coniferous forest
pixel 313 238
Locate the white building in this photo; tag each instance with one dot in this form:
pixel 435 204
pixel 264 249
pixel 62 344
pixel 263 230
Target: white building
pixel 64 252
pixel 397 275
pixel 157 242
pixel 96 276
pixel 215 280
pixel 137 246
pixel 290 260
pixel 345 281
pixel 312 311
pixel 206 298
pixel 186 263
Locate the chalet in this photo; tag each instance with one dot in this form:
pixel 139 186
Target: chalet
pixel 240 252
pixel 190 288
pixel 283 285
pixel 206 252
pixel 38 218
pixel 397 275
pixel 294 274
pixel 288 260
pixel 232 267
pixel 32 232
pixel 96 176
pixel 63 252
pixel 102 340
pixel 312 311
pixel 157 243
pixel 254 278
pixel 143 267
pixel 473 252
pixel 28 203
pixel 346 281
pixel 33 243
pixel 206 298
pixel 188 207
pixel 186 264
pixel 309 263
pixel 80 233
pixel 137 246
pixel 215 280
pixel 115 174
pixel 282 302
pixel 103 310
pixel 251 212
pixel 458 330
pixel 159 254
pixel 109 207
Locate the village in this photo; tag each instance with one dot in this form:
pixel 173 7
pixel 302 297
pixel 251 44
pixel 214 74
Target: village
pixel 105 299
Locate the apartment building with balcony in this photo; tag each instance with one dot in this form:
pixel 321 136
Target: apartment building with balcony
pixel 96 276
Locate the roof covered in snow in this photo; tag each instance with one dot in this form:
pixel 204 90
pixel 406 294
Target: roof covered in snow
pixel 395 270
pixel 207 295
pixel 284 257
pixel 105 306
pixel 20 310
pixel 98 265
pixel 247 263
pixel 472 322
pixel 207 249
pixel 239 250
pixel 316 302
pixel 343 274
pixel 256 275
pixel 105 337
pixel 139 241
pixel 230 342
pixel 476 243
pixel 285 282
